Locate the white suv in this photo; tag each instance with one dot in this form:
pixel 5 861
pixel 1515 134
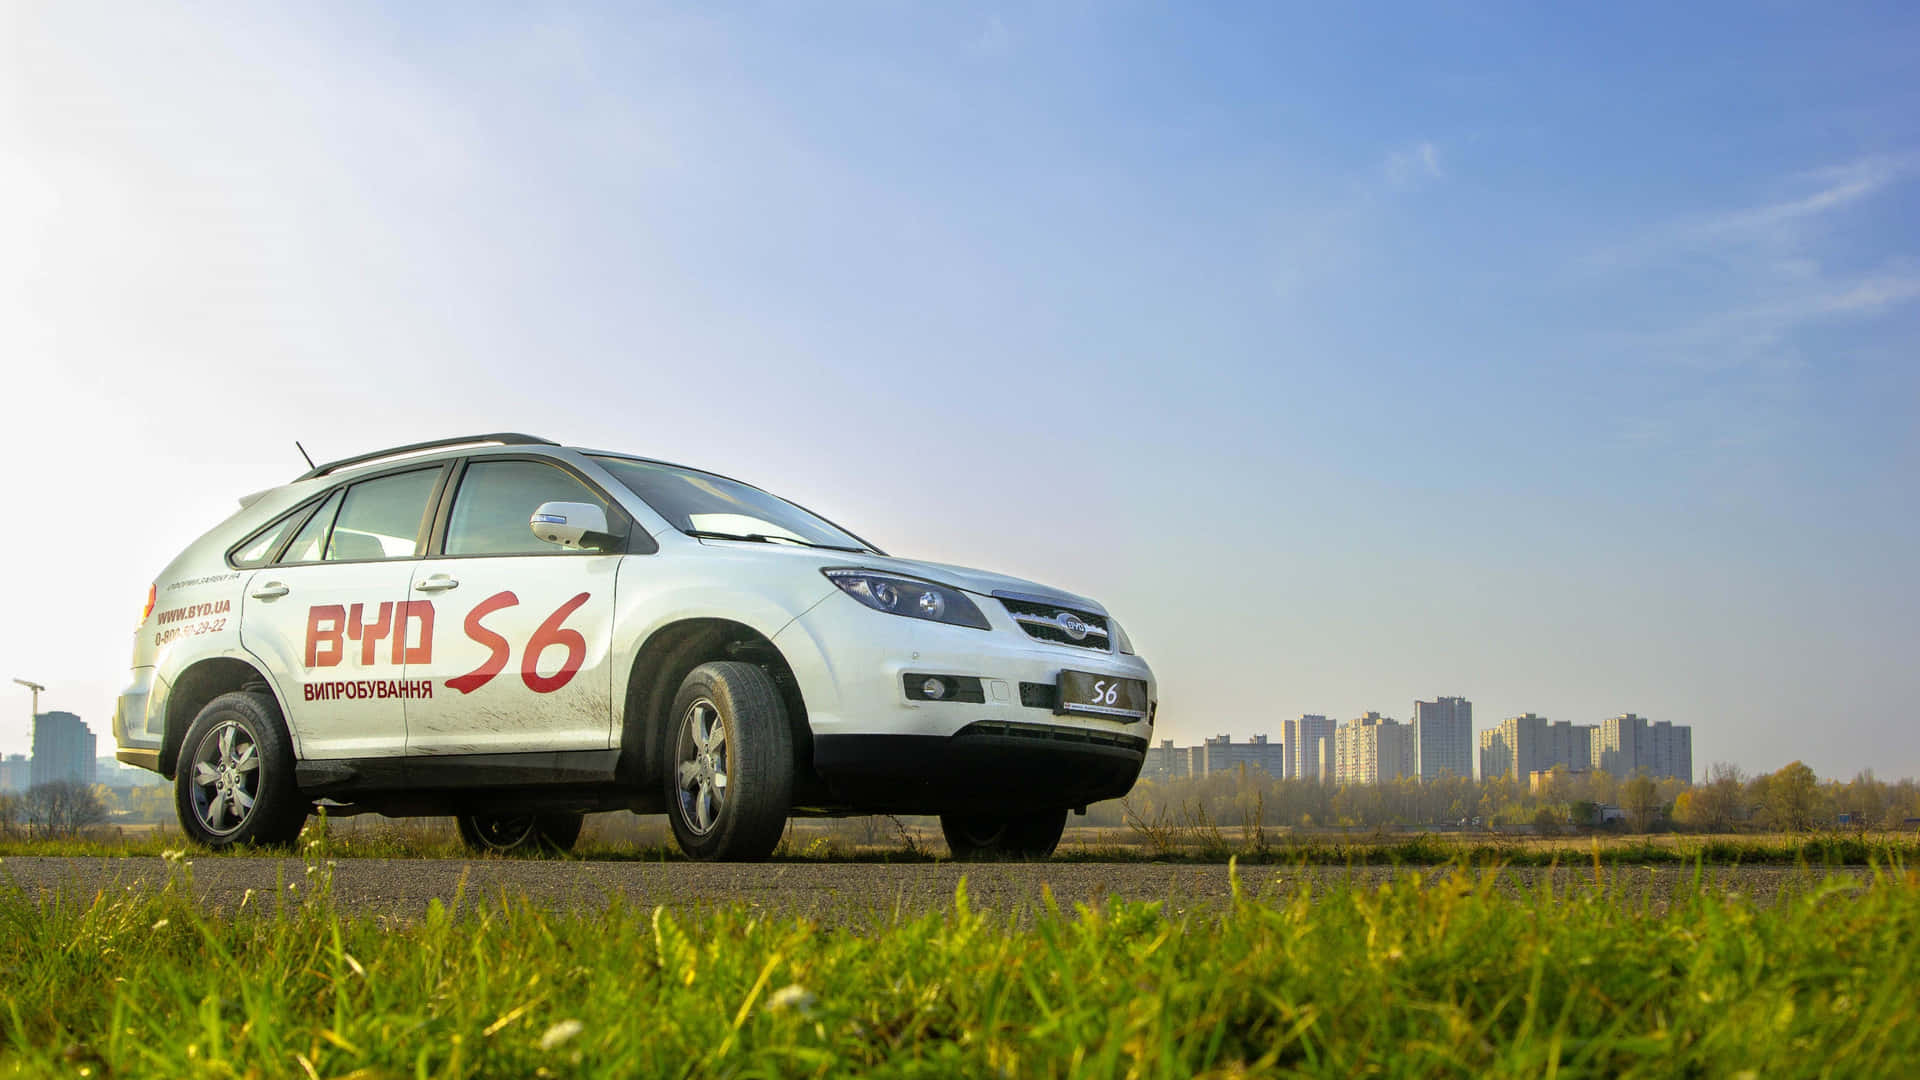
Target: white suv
pixel 517 633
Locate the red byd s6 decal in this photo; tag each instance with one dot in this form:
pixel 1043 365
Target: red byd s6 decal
pixel 331 626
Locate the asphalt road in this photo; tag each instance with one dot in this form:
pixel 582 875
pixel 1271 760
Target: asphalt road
pixel 841 893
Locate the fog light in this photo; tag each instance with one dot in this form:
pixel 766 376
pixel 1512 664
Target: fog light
pixel 927 686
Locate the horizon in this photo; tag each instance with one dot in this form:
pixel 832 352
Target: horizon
pixel 1563 354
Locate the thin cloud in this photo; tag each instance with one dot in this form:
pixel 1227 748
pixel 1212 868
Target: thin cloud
pixel 1769 227
pixel 993 39
pixel 1415 164
pixel 1765 273
pixel 1324 237
pixel 1738 336
pixel 1844 185
pixel 1873 294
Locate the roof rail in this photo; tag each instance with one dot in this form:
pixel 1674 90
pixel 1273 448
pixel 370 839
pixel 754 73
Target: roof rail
pixel 502 438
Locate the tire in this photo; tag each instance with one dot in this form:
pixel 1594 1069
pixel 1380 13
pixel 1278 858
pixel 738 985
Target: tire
pixel 520 834
pixel 234 784
pixel 985 836
pixel 728 798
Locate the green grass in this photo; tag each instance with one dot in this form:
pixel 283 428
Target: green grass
pixel 1445 976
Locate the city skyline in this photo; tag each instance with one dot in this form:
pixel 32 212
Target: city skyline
pixel 1373 748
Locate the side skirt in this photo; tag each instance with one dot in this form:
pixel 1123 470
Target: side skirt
pixel 332 778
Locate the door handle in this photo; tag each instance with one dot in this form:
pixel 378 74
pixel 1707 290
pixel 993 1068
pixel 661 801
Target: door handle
pixel 437 583
pixel 270 590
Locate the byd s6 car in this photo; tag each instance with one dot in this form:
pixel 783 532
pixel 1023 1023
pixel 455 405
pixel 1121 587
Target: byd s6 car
pixel 518 633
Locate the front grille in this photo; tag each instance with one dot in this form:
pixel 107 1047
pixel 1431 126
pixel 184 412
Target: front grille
pixel 1043 622
pixel 1049 733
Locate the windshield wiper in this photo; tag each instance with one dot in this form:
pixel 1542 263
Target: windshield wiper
pixel 763 538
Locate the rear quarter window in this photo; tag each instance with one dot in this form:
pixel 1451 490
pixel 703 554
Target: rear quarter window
pixel 258 549
pixel 312 537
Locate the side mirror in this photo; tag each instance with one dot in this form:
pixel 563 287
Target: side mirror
pixel 572 525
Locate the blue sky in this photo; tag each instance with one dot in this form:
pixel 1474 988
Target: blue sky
pixel 1563 359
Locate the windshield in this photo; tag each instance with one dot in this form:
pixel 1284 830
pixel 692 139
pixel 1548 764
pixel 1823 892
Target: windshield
pixel 702 504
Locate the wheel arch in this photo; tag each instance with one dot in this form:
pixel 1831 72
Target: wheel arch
pixel 662 663
pixel 199 683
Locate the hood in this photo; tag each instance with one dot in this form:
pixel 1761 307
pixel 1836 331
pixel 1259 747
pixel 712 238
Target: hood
pixel 980 582
pixel 983 581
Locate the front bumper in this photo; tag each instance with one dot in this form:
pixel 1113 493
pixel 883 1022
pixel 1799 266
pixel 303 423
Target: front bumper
pixel 977 771
pixel 878 751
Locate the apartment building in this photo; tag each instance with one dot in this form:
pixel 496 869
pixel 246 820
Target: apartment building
pixel 1222 755
pixel 1528 743
pixel 1308 741
pixel 63 749
pixel 1443 738
pixel 1373 749
pixel 1627 744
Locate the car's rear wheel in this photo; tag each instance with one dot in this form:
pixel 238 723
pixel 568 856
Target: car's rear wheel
pixel 519 834
pixel 729 763
pixel 995 836
pixel 234 783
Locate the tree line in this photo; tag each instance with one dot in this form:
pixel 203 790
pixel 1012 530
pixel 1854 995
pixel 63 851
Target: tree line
pixel 1791 799
pixel 1728 800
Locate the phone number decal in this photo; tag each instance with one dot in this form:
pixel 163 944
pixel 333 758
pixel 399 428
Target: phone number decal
pixel 188 630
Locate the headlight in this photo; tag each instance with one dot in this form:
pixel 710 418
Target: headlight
pixel 1120 638
pixel 907 596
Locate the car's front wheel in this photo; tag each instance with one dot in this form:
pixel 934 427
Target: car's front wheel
pixel 519 834
pixel 729 763
pixel 990 836
pixel 234 783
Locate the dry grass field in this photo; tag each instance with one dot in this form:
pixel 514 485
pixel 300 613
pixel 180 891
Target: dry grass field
pixel 626 836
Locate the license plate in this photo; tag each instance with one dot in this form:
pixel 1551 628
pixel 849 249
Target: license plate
pixel 1086 694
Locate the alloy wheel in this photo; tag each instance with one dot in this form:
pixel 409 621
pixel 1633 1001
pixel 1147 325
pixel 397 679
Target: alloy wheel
pixel 701 766
pixel 225 777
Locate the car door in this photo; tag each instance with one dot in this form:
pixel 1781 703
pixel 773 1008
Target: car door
pixel 522 663
pixel 333 619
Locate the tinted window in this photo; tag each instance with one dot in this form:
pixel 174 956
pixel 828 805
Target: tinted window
pixel 496 499
pixel 381 518
pixel 312 538
pixel 260 548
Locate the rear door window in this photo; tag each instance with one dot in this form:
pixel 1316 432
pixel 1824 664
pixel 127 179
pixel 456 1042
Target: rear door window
pixel 382 518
